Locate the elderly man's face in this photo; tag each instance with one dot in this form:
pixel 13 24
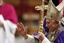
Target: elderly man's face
pixel 51 25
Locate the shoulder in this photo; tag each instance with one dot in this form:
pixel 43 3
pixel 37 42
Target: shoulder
pixel 60 38
pixel 61 34
pixel 61 31
pixel 8 5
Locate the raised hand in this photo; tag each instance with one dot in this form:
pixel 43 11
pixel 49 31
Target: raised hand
pixel 22 30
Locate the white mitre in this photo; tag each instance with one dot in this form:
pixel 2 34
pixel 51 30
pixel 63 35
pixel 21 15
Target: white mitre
pixel 53 11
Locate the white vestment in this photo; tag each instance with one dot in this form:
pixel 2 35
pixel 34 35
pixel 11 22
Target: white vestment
pixel 46 40
pixel 20 39
pixel 7 31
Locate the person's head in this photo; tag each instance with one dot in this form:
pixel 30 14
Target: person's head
pixel 53 17
pixel 1 2
pixel 52 20
pixel 51 24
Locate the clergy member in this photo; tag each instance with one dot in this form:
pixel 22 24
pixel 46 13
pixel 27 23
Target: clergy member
pixel 8 20
pixel 53 18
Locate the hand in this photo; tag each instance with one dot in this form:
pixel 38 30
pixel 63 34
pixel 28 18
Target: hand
pixel 1 24
pixel 40 36
pixel 22 30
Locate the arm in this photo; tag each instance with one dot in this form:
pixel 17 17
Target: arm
pixel 22 30
pixel 12 26
pixel 30 39
pixel 45 40
pixel 42 38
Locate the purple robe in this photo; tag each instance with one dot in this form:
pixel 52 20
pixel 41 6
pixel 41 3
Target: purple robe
pixel 60 38
pixel 8 13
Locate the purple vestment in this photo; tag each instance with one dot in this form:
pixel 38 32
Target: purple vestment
pixel 60 38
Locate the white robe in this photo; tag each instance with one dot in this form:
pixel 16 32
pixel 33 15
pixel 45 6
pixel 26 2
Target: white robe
pixel 20 39
pixel 46 40
pixel 7 31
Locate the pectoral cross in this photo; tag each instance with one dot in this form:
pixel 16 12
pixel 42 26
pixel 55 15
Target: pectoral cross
pixel 41 8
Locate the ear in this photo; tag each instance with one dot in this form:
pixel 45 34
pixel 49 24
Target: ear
pixel 56 23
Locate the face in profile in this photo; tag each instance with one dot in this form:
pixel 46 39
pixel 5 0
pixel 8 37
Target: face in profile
pixel 51 25
pixel 48 23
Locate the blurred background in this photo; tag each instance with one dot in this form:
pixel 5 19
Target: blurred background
pixel 26 13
